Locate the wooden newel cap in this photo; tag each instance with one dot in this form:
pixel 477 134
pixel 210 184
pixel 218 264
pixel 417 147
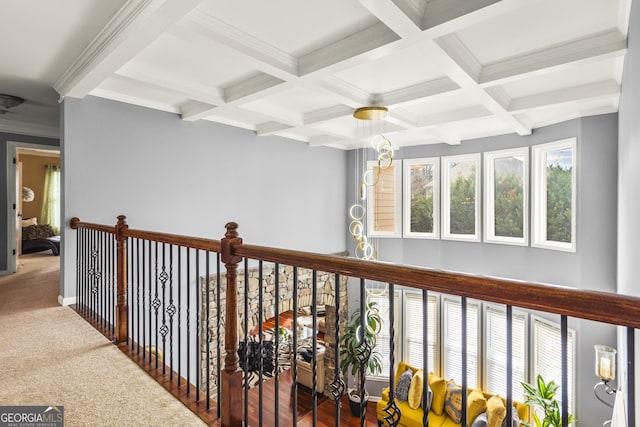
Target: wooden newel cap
pixel 122 220
pixel 232 230
pixel 74 222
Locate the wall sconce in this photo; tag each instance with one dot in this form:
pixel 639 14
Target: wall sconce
pixel 605 370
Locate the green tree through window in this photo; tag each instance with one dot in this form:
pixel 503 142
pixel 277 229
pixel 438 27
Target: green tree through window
pixel 559 198
pixel 463 204
pixel 422 199
pixel 508 205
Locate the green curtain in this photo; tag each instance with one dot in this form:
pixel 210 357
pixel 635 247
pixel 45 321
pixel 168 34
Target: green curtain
pixel 51 205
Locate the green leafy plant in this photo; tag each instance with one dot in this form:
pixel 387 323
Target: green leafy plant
pixel 351 339
pixel 543 395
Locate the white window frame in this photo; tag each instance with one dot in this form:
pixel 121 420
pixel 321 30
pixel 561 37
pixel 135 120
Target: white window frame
pixel 534 363
pixel 397 232
pixel 486 306
pixel 539 223
pixel 407 165
pixel 489 197
pixel 446 198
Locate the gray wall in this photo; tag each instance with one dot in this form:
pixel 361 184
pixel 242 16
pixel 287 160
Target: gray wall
pixel 174 176
pixel 628 180
pixel 593 266
pixel 4 138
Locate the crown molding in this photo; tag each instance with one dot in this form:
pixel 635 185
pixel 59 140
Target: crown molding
pixel 31 129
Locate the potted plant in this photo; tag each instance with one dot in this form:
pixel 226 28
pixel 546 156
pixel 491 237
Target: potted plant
pixel 543 396
pixel 350 362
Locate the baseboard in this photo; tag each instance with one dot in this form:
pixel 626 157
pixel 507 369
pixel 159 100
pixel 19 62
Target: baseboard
pixel 66 301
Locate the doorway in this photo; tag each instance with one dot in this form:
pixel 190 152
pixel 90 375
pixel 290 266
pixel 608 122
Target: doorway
pixel 27 166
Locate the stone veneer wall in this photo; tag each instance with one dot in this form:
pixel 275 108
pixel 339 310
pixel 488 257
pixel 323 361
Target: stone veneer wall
pixel 325 296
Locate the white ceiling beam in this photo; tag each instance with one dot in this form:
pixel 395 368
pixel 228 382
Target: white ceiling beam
pixel 271 128
pixel 602 89
pixel 199 93
pixel 134 27
pixel 346 93
pixel 585 50
pixel 129 98
pixel 395 18
pixel 201 27
pixel 415 93
pixel 326 114
pixel 432 120
pixel 195 110
pixel 442 11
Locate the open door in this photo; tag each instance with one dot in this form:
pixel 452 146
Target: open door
pixel 18 214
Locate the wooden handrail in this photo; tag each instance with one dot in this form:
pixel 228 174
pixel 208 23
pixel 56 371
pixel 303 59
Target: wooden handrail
pixel 176 239
pixel 75 223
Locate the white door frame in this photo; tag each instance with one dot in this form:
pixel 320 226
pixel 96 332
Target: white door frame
pixel 11 197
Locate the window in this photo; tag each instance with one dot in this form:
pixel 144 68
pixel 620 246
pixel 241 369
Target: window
pixel 506 195
pixel 413 337
pixel 383 341
pixel 51 205
pixel 554 195
pixel 460 197
pixel 546 356
pixel 421 198
pixel 452 341
pixel 496 351
pixel 383 202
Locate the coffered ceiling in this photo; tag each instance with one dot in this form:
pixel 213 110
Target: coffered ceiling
pixel 448 70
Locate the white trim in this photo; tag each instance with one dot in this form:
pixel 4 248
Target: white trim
pixel 446 198
pixel 539 194
pixel 66 301
pixel 489 196
pixel 407 164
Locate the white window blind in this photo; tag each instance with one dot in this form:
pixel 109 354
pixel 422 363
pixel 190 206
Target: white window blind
pixel 383 342
pixel 496 352
pixel 413 322
pixel 546 356
pixel 452 341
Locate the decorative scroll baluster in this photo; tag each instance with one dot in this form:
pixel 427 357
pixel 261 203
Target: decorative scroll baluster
pixel 188 321
pixel 150 280
pixel 314 345
pixel 171 311
pixel 276 338
pixel 180 317
pixel 140 319
pixel 156 302
pixel 294 327
pixel 392 410
pixel 364 351
pixel 338 386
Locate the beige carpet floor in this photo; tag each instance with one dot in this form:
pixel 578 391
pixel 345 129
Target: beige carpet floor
pixel 50 356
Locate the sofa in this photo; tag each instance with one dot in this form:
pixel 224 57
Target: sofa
pixel 444 403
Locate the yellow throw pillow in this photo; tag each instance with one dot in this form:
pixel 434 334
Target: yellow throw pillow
pixel 495 411
pixel 477 405
pixel 415 390
pixel 439 389
pixel 453 402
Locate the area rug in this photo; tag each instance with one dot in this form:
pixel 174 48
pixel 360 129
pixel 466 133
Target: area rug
pixel 264 351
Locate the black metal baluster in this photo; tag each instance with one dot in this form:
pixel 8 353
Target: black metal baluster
pixel 425 355
pixel 207 295
pixel 171 311
pixel 188 321
pixel 78 287
pixel 631 378
pixel 131 300
pixel 314 346
pixel 150 285
pixel 564 370
pixel 163 329
pixel 156 303
pixel 138 291
pixel 260 343
pixel 103 283
pixel 245 356
pixel 464 359
pixel 112 285
pixel 180 317
pixel 392 410
pixel 197 340
pixel 337 386
pixel 96 271
pixel 364 351
pixel 509 364
pixel 294 327
pixel 276 331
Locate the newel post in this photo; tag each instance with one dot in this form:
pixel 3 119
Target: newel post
pixel 231 377
pixel 121 280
